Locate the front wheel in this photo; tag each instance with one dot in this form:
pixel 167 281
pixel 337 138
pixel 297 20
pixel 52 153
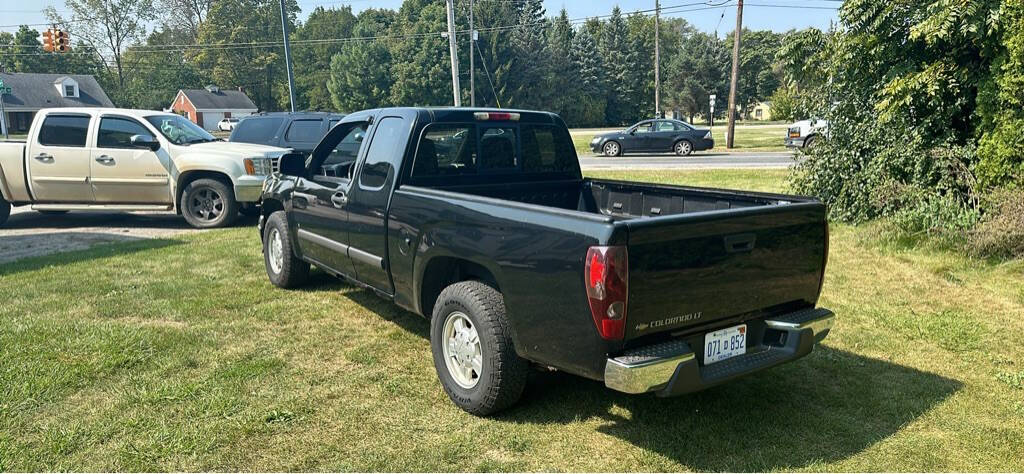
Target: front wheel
pixel 473 352
pixel 5 210
pixel 285 269
pixel 612 149
pixel 209 203
pixel 683 148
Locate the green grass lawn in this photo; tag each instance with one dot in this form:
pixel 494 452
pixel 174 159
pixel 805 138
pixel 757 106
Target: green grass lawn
pixel 178 354
pixel 749 137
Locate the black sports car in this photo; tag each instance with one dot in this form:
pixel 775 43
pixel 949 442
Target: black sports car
pixel 657 136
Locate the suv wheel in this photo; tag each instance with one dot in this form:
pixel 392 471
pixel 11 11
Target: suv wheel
pixel 473 352
pixel 285 269
pixel 208 203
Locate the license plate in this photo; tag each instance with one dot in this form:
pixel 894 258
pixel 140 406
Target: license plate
pixel 725 344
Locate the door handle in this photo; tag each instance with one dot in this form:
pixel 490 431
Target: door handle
pixel 43 157
pixel 740 243
pixel 339 200
pixel 105 160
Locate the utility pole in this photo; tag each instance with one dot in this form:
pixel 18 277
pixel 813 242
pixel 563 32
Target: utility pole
pixel 455 54
pixel 730 139
pixel 288 58
pixel 472 39
pixel 657 60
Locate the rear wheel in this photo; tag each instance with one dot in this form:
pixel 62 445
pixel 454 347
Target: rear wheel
pixel 208 203
pixel 683 148
pixel 612 149
pixel 473 352
pixel 285 269
pixel 5 210
pixel 810 142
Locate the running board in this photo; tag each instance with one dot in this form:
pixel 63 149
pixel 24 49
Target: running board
pixel 102 207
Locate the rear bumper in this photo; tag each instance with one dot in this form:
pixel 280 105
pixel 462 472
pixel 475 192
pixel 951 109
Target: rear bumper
pixel 672 368
pixel 704 144
pixel 795 142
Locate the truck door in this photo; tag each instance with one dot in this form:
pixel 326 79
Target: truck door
pixel 319 203
pixel 58 161
pixel 368 203
pixel 126 174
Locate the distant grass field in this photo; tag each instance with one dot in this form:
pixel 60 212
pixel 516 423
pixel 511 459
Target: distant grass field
pixel 749 137
pixel 177 354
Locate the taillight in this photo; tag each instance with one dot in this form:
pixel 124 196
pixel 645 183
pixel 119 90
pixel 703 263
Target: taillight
pixel 508 116
pixel 607 279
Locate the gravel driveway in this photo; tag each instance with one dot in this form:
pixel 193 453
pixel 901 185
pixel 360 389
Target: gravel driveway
pixel 30 234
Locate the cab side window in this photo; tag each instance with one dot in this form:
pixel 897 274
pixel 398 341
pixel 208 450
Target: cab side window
pixel 385 153
pixel 64 130
pixel 116 132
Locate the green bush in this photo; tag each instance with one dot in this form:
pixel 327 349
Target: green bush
pixel 1000 233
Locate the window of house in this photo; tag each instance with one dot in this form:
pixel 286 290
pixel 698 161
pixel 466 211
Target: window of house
pixel 64 130
pixel 757 113
pixel 117 132
pixel 69 90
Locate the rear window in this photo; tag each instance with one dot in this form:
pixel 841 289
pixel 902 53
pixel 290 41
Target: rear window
pixel 304 131
pixel 64 130
pixel 446 150
pixel 262 131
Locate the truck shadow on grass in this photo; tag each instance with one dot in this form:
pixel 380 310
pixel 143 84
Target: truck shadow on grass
pixel 823 408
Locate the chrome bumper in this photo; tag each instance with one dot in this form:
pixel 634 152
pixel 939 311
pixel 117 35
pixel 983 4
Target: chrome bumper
pixel 672 368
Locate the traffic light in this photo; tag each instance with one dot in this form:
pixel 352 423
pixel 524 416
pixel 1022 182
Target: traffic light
pixel 61 41
pixel 48 41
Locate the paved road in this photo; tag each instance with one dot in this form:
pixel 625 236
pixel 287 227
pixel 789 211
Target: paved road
pixel 700 160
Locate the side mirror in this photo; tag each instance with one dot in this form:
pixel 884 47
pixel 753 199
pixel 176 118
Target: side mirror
pixel 145 141
pixel 292 164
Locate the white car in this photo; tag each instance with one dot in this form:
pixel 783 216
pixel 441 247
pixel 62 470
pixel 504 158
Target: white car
pixel 132 160
pixel 227 125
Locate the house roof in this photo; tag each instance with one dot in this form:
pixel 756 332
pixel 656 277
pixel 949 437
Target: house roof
pixel 203 99
pixel 37 91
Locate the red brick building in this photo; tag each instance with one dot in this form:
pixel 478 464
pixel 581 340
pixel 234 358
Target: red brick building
pixel 206 107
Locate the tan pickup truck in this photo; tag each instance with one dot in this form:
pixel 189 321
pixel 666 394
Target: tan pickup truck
pixel 131 160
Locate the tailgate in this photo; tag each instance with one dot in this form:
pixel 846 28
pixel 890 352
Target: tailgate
pixel 690 270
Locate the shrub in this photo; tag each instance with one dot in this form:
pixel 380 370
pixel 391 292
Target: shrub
pixel 1001 233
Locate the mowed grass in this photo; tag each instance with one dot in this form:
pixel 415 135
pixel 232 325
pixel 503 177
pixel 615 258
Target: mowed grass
pixel 749 137
pixel 179 355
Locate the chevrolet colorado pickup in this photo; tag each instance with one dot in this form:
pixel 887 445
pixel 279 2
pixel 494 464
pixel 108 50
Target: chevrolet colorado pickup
pixel 481 221
pixel 131 160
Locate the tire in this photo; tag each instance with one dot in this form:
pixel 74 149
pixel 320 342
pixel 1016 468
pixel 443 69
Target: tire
pixel 500 374
pixel 810 142
pixel 209 203
pixel 285 269
pixel 612 148
pixel 5 210
pixel 52 213
pixel 682 148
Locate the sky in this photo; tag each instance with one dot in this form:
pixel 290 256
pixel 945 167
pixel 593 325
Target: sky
pixel 777 15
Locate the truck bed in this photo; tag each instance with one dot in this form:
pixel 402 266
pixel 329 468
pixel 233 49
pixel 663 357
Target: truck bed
pixel 621 200
pixel 698 257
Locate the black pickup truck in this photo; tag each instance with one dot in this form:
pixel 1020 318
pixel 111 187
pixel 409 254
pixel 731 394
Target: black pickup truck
pixel 481 221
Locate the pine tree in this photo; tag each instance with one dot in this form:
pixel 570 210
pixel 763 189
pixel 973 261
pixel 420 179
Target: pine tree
pixel 589 108
pixel 530 62
pixel 615 53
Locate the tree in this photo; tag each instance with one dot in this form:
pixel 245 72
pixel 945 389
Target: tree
pixel 421 67
pixel 108 26
pixel 562 74
pixel 22 52
pixel 241 48
pixel 312 62
pixel 185 15
pixel 698 70
pixel 615 53
pixel 157 75
pixel 360 74
pixel 529 61
pixel 640 70
pixel 589 99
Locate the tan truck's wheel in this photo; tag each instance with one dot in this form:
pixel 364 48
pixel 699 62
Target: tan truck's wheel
pixel 284 268
pixel 473 352
pixel 5 210
pixel 208 203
